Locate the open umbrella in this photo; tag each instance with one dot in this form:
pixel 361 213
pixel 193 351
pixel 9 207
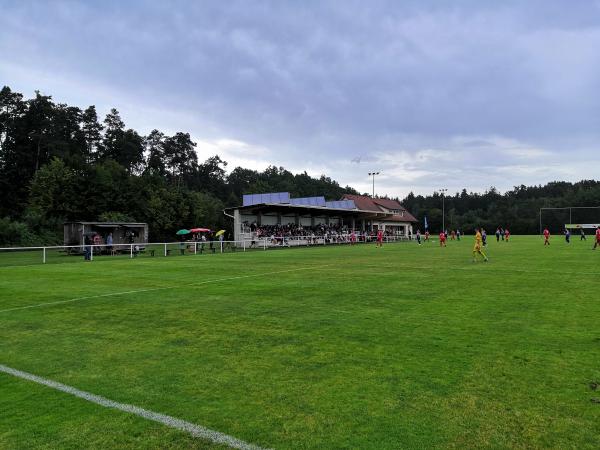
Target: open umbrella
pixel 219 233
pixel 184 231
pixel 200 230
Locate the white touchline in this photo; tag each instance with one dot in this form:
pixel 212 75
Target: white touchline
pixel 200 283
pixel 173 422
pixel 470 268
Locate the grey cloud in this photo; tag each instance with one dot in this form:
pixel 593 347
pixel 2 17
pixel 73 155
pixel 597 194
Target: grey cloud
pixel 320 82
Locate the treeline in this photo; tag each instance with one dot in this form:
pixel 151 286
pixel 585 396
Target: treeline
pixel 517 209
pixel 60 163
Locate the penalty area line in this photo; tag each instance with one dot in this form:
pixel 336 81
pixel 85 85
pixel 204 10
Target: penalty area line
pixel 196 284
pixel 172 422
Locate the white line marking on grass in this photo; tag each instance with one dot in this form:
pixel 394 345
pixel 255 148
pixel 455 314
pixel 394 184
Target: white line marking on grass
pixel 479 263
pixel 59 302
pixel 196 284
pixel 172 422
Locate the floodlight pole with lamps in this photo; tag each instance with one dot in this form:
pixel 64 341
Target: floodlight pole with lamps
pixel 373 175
pixel 443 192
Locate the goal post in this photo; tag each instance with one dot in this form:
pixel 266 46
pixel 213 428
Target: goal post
pixel 569 217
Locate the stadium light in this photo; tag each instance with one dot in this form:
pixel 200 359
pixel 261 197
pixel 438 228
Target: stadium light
pixel 373 175
pixel 443 192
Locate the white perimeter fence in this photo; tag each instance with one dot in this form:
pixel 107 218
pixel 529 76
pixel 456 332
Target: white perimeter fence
pixel 15 256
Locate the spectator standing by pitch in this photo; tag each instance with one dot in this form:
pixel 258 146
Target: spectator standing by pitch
pixel 87 249
pixel 581 234
pixel 597 243
pixel 109 243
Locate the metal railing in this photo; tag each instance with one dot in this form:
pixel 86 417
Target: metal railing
pixel 63 253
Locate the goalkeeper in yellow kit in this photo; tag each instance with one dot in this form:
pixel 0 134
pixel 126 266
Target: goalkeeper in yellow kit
pixel 477 249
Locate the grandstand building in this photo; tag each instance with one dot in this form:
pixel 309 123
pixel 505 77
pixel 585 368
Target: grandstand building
pixel 353 212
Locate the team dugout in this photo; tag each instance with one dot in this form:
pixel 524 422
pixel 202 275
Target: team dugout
pixel 357 213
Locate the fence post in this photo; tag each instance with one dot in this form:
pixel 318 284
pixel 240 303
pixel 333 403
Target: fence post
pixel 244 244
pixel 91 252
pixel 44 256
pixel 195 248
pixel 131 251
pixel 221 246
pixel 165 249
pixel 264 244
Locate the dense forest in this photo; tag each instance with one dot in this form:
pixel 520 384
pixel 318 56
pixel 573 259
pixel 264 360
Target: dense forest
pixel 60 163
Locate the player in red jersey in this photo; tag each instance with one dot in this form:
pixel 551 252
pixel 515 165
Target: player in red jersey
pixel 597 243
pixel 546 236
pixel 379 238
pixel 506 234
pixel 442 239
pixel 426 235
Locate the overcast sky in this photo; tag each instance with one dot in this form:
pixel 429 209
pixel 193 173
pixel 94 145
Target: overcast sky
pixel 432 94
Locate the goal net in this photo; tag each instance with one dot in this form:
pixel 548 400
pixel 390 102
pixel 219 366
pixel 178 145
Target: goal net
pixel 574 218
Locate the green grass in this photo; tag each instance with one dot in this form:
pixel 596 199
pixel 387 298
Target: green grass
pixel 399 347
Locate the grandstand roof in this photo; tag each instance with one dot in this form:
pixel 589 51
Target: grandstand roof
pixel 283 198
pixel 385 209
pixel 366 203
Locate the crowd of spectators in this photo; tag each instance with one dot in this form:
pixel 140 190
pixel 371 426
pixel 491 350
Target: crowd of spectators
pixel 332 233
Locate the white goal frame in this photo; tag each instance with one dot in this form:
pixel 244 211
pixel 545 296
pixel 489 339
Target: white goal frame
pixel 571 225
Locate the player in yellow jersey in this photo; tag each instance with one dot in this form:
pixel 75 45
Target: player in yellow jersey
pixel 477 249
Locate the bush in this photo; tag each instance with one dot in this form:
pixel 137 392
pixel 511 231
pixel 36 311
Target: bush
pixel 16 234
pixel 114 216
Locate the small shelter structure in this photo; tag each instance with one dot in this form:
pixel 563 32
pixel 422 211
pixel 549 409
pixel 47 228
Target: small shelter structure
pixel 123 232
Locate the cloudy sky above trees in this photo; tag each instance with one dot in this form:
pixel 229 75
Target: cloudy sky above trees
pixel 430 93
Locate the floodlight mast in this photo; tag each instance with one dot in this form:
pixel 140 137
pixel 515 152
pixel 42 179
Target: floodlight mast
pixel 443 192
pixel 373 175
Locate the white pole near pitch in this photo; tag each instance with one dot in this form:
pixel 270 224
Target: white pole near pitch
pixel 44 255
pixel 165 249
pixel 443 191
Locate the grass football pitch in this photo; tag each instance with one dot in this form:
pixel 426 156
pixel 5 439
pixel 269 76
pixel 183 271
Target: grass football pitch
pixel 332 347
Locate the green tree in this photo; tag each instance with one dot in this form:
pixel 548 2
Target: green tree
pixel 114 129
pixel 92 132
pixel 54 191
pixel 180 156
pixel 154 145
